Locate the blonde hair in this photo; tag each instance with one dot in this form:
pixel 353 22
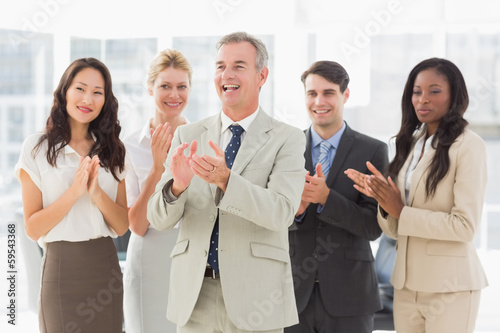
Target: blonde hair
pixel 166 59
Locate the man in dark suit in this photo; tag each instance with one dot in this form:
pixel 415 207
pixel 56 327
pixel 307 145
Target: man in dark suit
pixel 332 262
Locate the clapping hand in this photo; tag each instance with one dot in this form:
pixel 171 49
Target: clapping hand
pixel 315 188
pixel 161 139
pixel 80 181
pixel 376 186
pixel 180 167
pixel 93 182
pixel 361 179
pixel 86 177
pixel 212 169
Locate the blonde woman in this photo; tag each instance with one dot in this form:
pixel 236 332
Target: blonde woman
pixel 148 263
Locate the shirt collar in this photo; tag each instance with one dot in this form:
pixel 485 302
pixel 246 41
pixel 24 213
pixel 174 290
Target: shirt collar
pixel 420 143
pixel 69 150
pixel 145 133
pixel 334 140
pixel 245 123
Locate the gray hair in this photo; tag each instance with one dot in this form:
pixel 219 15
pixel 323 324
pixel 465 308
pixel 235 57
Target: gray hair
pixel 239 37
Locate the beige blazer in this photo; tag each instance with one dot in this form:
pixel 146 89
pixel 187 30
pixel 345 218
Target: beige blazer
pixel 259 204
pixel 435 249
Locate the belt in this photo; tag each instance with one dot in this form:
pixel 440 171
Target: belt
pixel 209 272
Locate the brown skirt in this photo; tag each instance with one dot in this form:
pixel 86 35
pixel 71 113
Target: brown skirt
pixel 82 288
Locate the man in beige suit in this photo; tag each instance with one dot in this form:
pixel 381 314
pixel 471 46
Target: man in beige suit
pixel 242 206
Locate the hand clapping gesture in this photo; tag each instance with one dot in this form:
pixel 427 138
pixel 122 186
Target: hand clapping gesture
pixel 161 138
pixel 213 170
pixel 93 182
pixel 86 177
pixel 180 167
pixel 376 186
pixel 80 182
pixel 315 190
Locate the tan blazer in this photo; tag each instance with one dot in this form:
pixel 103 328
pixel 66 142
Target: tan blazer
pixel 435 249
pixel 259 204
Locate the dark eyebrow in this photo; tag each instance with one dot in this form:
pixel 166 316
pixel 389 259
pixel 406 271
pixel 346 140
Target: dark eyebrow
pixel 326 90
pixel 84 84
pixel 432 85
pixel 237 61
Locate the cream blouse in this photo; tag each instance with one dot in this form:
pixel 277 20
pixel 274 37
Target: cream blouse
pixel 84 221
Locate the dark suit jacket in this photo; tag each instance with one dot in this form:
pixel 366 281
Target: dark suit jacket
pixel 333 246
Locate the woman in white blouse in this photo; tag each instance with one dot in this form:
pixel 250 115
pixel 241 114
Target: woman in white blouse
pixel 431 202
pixel 74 201
pixel 147 268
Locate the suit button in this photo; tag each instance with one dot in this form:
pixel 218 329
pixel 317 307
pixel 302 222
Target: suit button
pixel 211 218
pixel 315 255
pixel 205 253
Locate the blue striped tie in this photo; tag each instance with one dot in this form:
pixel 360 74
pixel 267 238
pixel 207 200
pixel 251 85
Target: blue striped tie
pixel 324 148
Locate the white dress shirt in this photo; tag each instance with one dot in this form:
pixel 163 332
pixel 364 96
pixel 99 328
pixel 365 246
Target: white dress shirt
pixel 226 134
pixel 139 161
pixel 421 144
pixel 84 221
pixel 147 267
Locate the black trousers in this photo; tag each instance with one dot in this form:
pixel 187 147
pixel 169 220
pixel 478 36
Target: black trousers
pixel 315 319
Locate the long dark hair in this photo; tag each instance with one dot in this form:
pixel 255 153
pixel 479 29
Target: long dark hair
pixel 451 126
pixel 105 128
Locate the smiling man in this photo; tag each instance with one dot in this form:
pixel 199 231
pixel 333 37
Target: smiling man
pixel 237 188
pixel 332 263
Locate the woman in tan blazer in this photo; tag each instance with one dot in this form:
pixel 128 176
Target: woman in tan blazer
pixel 431 201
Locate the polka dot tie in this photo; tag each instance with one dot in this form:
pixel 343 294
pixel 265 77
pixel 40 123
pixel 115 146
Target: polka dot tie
pixel 234 145
pixel 230 154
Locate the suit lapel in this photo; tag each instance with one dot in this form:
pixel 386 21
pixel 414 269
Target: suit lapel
pixel 401 182
pixel 345 145
pixel 418 174
pixel 308 152
pixel 212 132
pixel 255 138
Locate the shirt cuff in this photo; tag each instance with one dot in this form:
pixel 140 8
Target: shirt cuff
pixel 168 196
pixel 300 219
